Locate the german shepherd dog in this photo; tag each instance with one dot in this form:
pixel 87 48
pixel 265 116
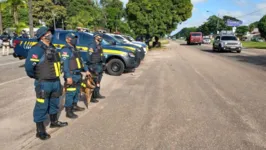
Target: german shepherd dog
pixel 87 86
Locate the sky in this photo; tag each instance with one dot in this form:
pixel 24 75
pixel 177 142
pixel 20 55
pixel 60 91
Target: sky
pixel 241 9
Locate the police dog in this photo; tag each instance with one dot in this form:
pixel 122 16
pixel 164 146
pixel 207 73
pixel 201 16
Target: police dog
pixel 87 86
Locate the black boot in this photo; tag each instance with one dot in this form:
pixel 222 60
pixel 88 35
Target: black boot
pixel 41 133
pixel 77 108
pixel 98 95
pixel 70 114
pixel 55 123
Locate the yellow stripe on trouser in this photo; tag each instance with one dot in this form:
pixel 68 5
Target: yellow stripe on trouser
pixel 56 69
pixel 71 89
pixel 40 100
pixel 79 66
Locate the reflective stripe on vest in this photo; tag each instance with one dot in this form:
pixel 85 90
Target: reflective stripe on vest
pixel 78 63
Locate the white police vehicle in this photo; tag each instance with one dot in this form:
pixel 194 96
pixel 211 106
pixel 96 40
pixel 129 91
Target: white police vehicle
pixel 227 41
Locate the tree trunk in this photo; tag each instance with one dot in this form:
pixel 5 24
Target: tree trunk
pixel 15 15
pixel 30 18
pixel 1 24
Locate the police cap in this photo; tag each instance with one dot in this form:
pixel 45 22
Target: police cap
pixel 41 32
pixel 71 35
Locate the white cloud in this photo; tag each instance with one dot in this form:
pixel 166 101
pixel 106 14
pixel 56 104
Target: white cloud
pixel 198 1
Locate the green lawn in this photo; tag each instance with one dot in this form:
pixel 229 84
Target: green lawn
pixel 259 45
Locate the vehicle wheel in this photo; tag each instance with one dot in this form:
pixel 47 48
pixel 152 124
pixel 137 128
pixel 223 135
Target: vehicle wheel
pixel 220 48
pixel 115 67
pixel 238 51
pixel 199 43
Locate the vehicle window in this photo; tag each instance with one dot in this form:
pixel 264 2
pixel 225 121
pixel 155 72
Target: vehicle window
pixel 196 34
pixel 108 39
pixel 85 39
pixel 105 42
pixel 227 38
pixel 62 36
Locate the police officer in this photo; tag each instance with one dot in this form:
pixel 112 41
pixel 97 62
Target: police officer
pixel 43 65
pixel 96 64
pixel 72 67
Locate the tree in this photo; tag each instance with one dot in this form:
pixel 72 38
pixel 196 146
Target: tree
pixel 42 10
pixel 30 18
pixel 253 25
pixel 262 26
pixel 155 17
pixel 15 6
pixel 113 12
pixel 185 32
pixel 2 7
pixel 242 30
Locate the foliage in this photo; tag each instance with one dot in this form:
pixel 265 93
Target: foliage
pixel 253 25
pixel 43 10
pixel 185 32
pixel 156 17
pixel 113 13
pixel 262 26
pixel 15 6
pixel 259 45
pixel 242 30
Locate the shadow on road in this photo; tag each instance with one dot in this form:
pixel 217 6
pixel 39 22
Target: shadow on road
pixel 211 51
pixel 255 60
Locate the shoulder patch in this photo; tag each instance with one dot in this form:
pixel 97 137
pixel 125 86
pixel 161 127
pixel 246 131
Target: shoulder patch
pixel 34 56
pixel 65 54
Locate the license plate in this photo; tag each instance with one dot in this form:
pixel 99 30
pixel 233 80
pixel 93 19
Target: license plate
pixel 233 47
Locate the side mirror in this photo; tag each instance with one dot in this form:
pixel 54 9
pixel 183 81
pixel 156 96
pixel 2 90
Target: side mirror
pixel 114 43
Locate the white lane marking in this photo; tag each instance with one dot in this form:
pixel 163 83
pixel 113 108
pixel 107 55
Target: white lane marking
pixel 10 63
pixel 3 83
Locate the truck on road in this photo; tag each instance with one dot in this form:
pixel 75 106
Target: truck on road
pixel 194 38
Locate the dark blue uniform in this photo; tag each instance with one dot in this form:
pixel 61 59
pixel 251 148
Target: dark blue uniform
pixel 67 57
pixel 95 63
pixel 47 91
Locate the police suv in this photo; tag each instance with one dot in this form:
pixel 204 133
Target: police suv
pixel 118 59
pixel 227 41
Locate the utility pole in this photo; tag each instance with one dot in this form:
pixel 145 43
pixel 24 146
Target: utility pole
pixel 30 18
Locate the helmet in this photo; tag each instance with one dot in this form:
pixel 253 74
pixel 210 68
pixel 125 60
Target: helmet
pixel 41 32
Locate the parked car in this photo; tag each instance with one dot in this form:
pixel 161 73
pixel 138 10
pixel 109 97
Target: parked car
pixel 194 38
pixel 227 42
pixel 118 59
pixel 206 40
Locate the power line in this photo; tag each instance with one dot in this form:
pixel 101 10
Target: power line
pixel 251 13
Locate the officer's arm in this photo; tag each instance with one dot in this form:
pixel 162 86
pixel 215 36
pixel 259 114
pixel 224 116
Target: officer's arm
pixel 65 58
pixel 32 60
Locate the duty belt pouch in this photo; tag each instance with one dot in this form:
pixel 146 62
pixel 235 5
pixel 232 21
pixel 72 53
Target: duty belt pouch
pixel 40 93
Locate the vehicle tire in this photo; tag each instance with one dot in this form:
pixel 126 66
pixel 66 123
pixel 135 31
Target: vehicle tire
pixel 239 51
pixel 220 48
pixel 199 43
pixel 115 67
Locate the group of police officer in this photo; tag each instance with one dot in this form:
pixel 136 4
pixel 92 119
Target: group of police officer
pixel 44 65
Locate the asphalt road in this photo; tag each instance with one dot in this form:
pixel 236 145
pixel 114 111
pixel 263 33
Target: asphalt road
pixel 185 97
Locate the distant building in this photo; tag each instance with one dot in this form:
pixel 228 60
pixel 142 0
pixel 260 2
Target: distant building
pixel 253 35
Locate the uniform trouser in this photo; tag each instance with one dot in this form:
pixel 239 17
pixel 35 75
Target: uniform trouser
pixel 47 93
pixel 5 48
pixel 97 74
pixel 73 91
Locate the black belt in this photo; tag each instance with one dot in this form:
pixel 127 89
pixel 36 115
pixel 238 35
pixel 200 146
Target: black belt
pixel 75 73
pixel 48 80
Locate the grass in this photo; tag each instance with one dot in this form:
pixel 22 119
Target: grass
pixel 259 45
